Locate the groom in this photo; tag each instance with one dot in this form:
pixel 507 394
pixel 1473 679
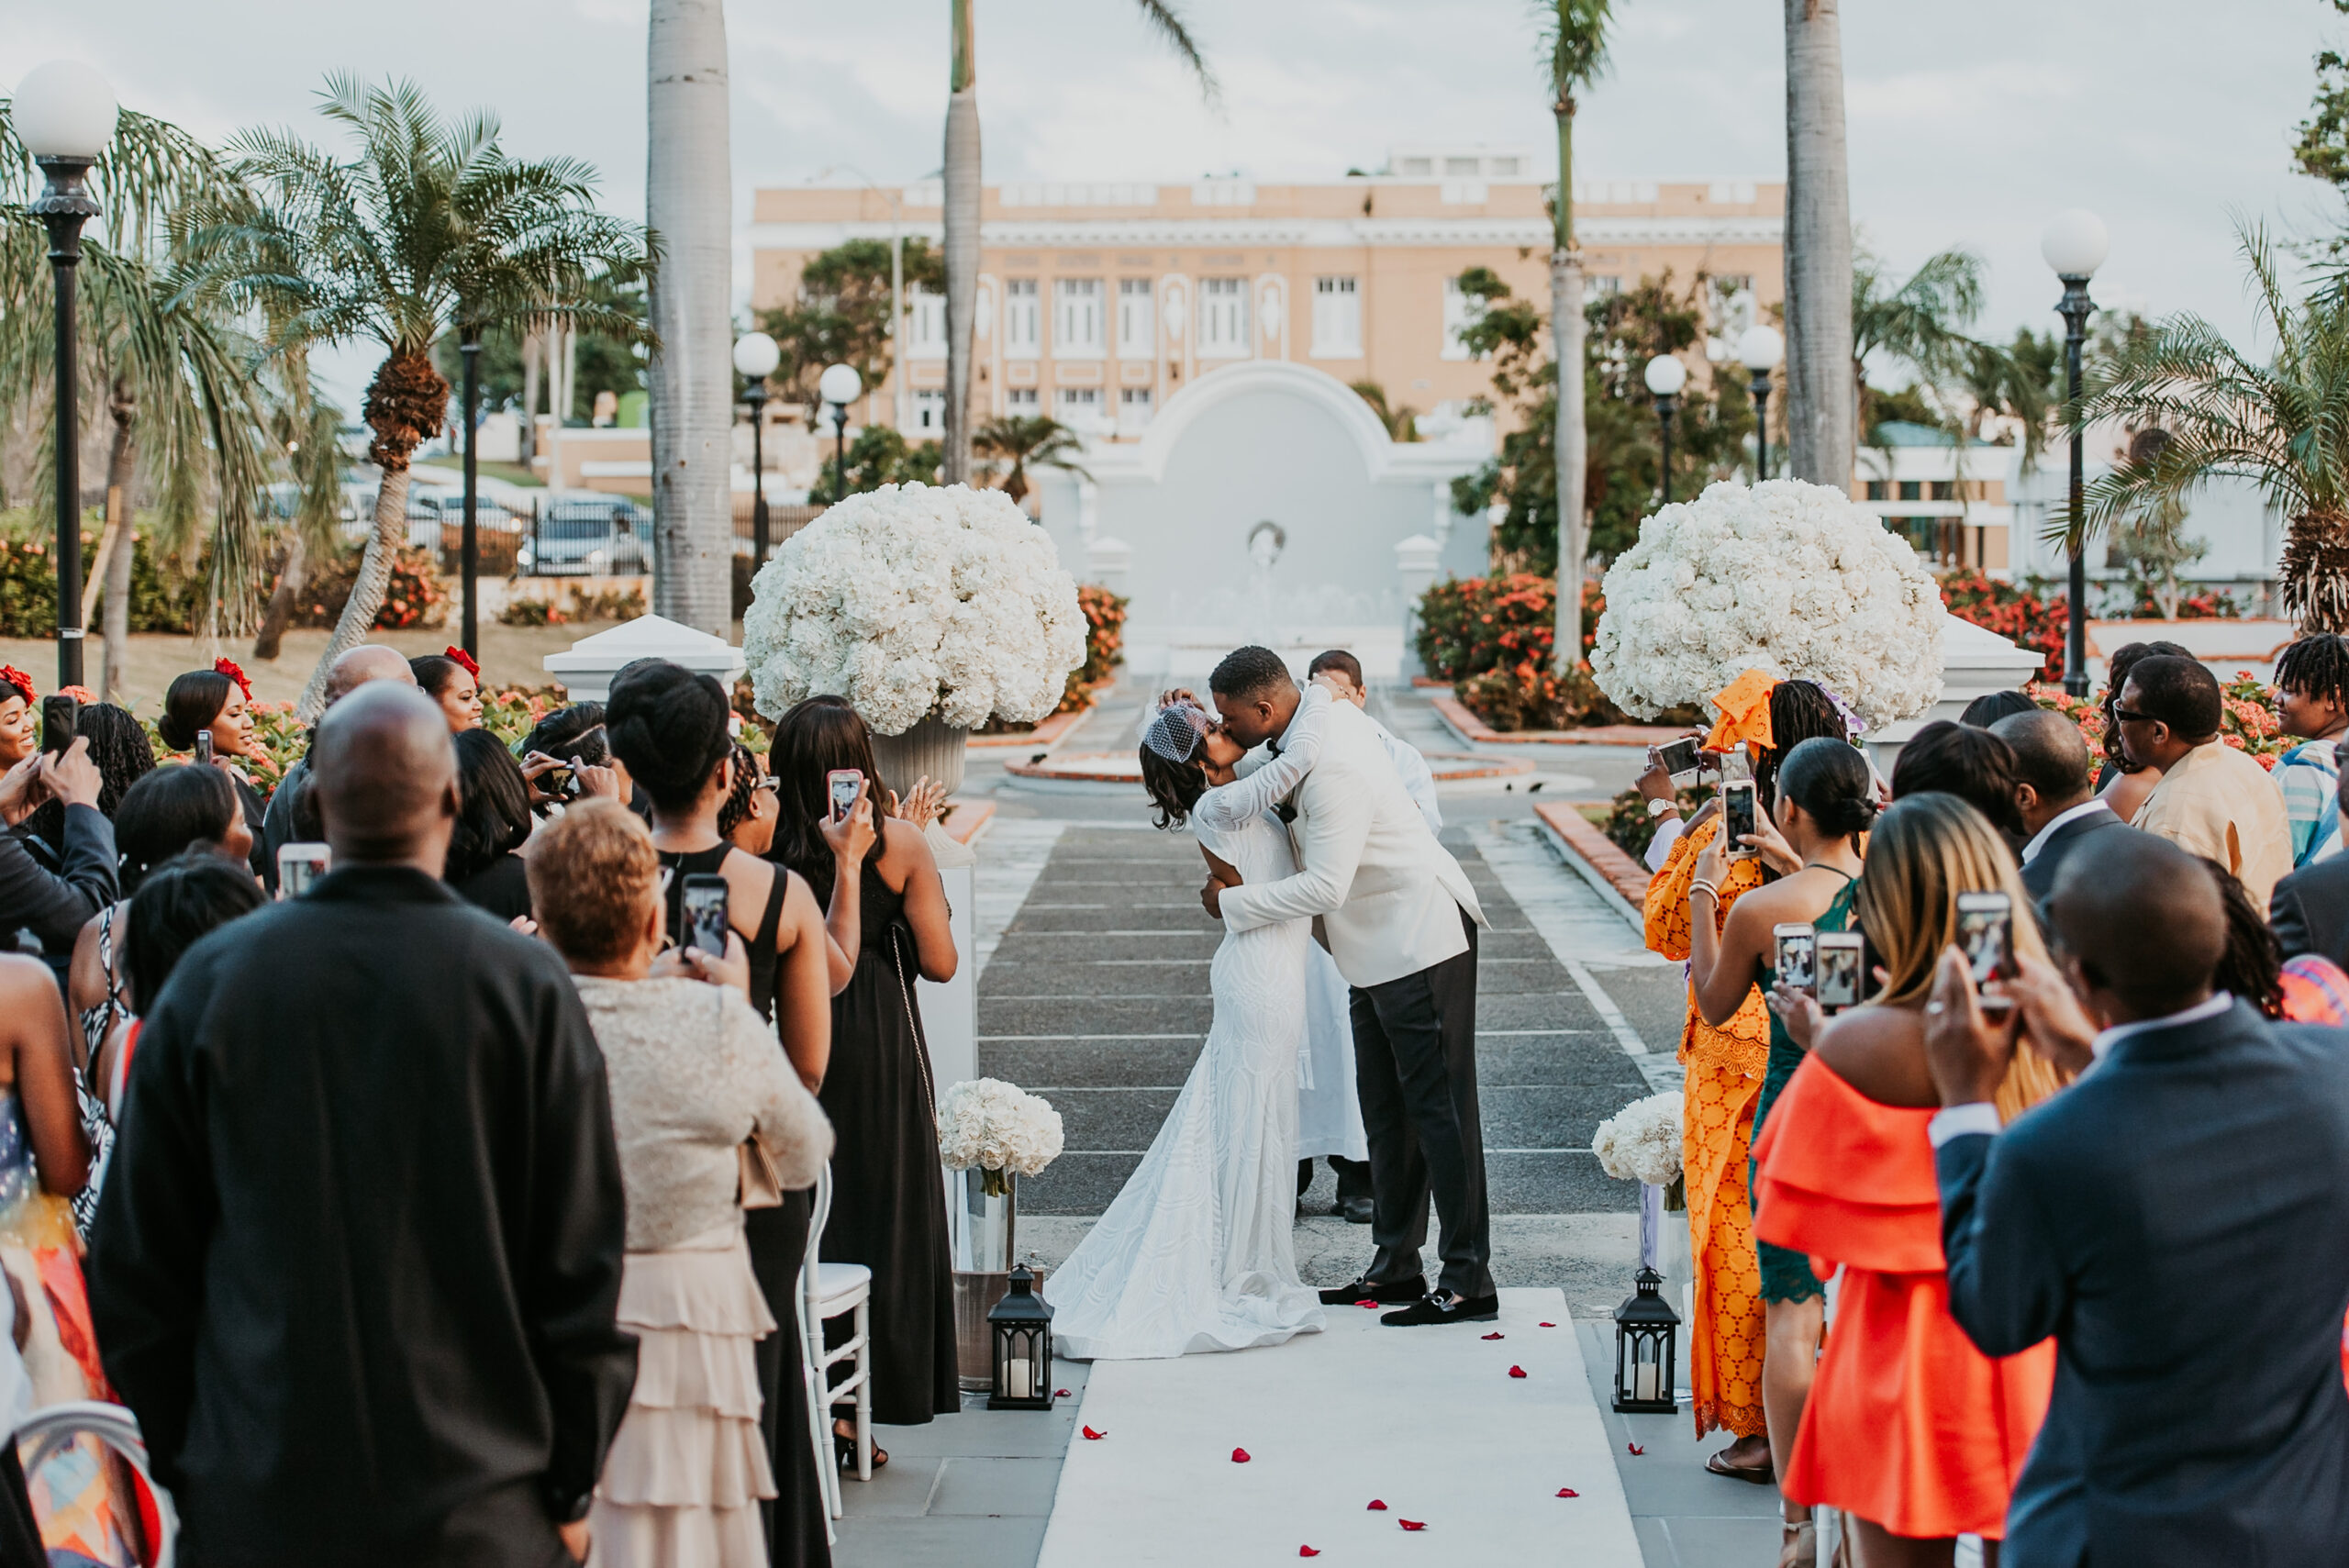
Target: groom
pixel 1398 917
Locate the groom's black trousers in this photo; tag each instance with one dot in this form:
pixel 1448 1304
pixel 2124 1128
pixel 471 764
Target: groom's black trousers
pixel 1415 1070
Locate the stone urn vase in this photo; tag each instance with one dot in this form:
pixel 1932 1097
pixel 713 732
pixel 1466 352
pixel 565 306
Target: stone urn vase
pixel 932 748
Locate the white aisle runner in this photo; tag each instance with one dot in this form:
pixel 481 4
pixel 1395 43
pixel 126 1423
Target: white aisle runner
pixel 1427 1420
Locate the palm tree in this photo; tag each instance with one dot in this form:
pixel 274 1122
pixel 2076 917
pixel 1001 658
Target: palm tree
pixel 1573 49
pixel 1029 441
pixel 2283 424
pixel 1402 422
pixel 689 202
pixel 1820 416
pixel 962 204
pixel 431 227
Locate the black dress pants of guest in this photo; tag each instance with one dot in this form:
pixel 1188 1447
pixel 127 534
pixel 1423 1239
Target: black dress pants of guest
pixel 794 1520
pixel 1415 1070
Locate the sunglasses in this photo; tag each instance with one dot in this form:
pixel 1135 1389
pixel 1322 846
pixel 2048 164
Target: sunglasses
pixel 2125 715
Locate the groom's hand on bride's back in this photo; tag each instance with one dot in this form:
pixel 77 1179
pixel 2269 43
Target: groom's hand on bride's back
pixel 1211 897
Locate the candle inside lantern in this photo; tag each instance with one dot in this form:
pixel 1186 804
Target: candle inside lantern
pixel 1020 1378
pixel 1643 1375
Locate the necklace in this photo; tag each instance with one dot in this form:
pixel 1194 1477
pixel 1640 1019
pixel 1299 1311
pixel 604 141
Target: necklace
pixel 1822 865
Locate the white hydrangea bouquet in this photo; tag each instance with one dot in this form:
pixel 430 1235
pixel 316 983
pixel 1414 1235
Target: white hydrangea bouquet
pixel 999 1128
pixel 1642 1141
pixel 913 600
pixel 1785 576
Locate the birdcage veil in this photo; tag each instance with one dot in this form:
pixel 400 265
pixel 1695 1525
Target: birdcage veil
pixel 1175 731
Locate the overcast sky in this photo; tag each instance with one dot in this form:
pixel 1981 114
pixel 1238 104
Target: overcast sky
pixel 2169 118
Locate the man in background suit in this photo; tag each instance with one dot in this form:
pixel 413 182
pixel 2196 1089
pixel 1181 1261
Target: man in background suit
pixel 2154 1219
pixel 2311 910
pixel 2054 793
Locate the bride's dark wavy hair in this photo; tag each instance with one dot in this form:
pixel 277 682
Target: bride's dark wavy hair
pixel 1175 787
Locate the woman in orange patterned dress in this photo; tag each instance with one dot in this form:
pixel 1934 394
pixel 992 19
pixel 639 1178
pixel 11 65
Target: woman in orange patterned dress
pixel 1723 1065
pixel 1909 1428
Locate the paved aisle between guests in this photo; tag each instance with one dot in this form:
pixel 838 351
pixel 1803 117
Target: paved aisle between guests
pixel 1428 1421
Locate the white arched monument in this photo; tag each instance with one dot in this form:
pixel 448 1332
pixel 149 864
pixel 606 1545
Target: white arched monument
pixel 1359 523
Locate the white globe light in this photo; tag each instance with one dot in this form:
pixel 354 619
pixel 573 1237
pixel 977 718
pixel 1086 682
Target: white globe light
pixel 756 355
pixel 1666 376
pixel 63 109
pixel 840 385
pixel 1759 348
pixel 2074 243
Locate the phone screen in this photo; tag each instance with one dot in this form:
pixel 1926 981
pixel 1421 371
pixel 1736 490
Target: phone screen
pixel 299 865
pixel 1986 935
pixel 1737 819
pixel 704 914
pixel 1840 955
pixel 203 746
pixel 1679 757
pixel 1796 944
pixel 841 787
pixel 59 715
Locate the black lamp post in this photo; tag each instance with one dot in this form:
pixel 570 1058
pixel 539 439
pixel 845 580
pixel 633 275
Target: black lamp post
pixel 469 557
pixel 1666 376
pixel 2076 244
pixel 755 355
pixel 840 385
pixel 63 112
pixel 1759 348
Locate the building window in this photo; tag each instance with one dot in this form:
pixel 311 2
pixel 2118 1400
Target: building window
pixel 1603 286
pixel 1945 490
pixel 1224 318
pixel 930 412
pixel 1135 320
pixel 1079 408
pixel 1337 319
pixel 1022 320
pixel 1076 319
pixel 1133 410
pixel 1022 401
pixel 1410 168
pixel 1911 490
pixel 1507 168
pixel 1878 490
pixel 925 324
pixel 1462 310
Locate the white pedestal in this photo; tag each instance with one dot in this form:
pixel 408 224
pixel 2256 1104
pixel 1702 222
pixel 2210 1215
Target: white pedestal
pixel 1974 663
pixel 950 1012
pixel 585 671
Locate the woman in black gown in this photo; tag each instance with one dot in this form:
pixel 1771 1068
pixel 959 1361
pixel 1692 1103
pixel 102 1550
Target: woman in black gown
pixel 888 1198
pixel 668 726
pixel 216 700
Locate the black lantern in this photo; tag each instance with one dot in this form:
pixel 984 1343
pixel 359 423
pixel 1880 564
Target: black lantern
pixel 1021 1326
pixel 1645 1327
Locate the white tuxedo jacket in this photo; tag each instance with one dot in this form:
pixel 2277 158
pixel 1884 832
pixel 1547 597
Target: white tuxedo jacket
pixel 1387 895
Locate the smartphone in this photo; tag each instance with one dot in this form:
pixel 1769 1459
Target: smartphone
pixel 1680 758
pixel 705 916
pixel 1986 936
pixel 1738 819
pixel 1796 944
pixel 841 785
pixel 299 865
pixel 560 782
pixel 1840 960
pixel 204 747
pixel 59 715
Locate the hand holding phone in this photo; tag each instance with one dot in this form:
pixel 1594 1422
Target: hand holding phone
pixel 1738 819
pixel 59 717
pixel 1680 758
pixel 1795 945
pixel 300 866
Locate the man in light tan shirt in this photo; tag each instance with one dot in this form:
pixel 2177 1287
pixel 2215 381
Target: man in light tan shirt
pixel 2213 800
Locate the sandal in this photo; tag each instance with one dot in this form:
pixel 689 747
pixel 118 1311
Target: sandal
pixel 1760 1474
pixel 1798 1545
pixel 844 1449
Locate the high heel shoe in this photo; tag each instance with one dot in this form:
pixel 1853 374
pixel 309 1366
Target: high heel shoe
pixel 1798 1544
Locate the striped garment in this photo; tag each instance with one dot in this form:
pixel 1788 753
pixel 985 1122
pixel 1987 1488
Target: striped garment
pixel 2310 776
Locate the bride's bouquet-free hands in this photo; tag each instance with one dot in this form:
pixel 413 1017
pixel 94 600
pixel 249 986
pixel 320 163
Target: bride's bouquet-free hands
pixel 998 1128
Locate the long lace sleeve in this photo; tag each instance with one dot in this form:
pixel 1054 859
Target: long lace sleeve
pixel 1229 807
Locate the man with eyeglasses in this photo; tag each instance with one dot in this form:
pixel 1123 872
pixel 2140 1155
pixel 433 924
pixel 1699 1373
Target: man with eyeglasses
pixel 2213 800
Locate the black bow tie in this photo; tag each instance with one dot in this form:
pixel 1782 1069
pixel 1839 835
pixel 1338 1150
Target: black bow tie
pixel 1285 811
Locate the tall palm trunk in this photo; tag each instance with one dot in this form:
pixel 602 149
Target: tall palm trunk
pixel 1821 429
pixel 689 205
pixel 279 614
pixel 962 246
pixel 1570 441
pixel 122 404
pixel 406 404
pixel 533 344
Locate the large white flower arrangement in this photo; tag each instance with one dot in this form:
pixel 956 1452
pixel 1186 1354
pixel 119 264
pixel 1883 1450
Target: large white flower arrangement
pixel 1642 1141
pixel 996 1127
pixel 913 599
pixel 1786 577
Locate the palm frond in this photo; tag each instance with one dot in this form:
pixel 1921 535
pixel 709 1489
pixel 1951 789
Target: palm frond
pixel 1572 35
pixel 1175 33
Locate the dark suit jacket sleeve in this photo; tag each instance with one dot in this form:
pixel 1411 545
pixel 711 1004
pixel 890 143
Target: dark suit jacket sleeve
pixel 2290 921
pixel 2006 1287
pixel 578 1235
pixel 156 1217
pixel 55 906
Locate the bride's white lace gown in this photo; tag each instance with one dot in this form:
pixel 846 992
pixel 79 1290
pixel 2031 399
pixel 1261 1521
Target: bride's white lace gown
pixel 1197 1252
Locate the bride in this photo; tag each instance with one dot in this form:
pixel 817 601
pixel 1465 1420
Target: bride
pixel 1195 1254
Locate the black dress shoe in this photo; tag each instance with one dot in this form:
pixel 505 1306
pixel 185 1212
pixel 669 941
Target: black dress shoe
pixel 1411 1289
pixel 1354 1210
pixel 1445 1307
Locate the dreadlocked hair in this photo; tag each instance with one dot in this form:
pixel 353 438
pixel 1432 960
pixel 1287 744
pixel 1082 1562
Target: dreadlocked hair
pixel 2316 666
pixel 1800 711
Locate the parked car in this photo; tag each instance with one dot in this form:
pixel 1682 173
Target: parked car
pixel 429 509
pixel 590 535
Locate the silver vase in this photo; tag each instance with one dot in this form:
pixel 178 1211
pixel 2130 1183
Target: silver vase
pixel 932 748
pixel 984 1207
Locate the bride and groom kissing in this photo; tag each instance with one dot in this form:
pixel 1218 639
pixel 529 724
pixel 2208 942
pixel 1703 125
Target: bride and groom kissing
pixel 1307 832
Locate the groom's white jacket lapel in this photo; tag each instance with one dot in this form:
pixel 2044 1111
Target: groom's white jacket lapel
pixel 1388 894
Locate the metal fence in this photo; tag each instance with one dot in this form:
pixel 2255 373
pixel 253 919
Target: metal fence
pixel 575 537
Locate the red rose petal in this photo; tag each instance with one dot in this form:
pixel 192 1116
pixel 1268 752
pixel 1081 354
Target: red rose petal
pixel 1376 1506
pixel 1413 1524
pixel 1516 1372
pixel 1372 1304
pixel 1060 1393
pixel 1568 1491
pixel 1493 1336
pixel 1635 1448
pixel 1545 1324
pixel 1092 1437
pixel 1309 1551
pixel 1240 1456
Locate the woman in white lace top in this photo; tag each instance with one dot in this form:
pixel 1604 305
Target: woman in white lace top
pixel 693 1072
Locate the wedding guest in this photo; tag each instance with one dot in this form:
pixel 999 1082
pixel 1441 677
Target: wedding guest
pixel 2310 911
pixel 2198 1415
pixel 53 904
pixel 1985 711
pixel 219 700
pixel 567 736
pixel 451 679
pixel 2312 702
pixel 747 819
pixel 19 717
pixel 1726 1064
pixel 1825 800
pixel 493 823
pixel 177 904
pixel 694 1072
pixel 1973 765
pixel 2123 782
pixel 2212 800
pixel 1341 672
pixel 888 1208
pixel 2051 793
pixel 123 755
pixel 288 819
pixel 1909 1430
pixel 364 1306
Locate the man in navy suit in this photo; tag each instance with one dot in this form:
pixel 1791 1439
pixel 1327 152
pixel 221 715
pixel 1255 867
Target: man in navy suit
pixel 2173 1219
pixel 2054 794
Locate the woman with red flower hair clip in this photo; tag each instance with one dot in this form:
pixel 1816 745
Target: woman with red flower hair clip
pixel 451 679
pixel 19 717
pixel 215 702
